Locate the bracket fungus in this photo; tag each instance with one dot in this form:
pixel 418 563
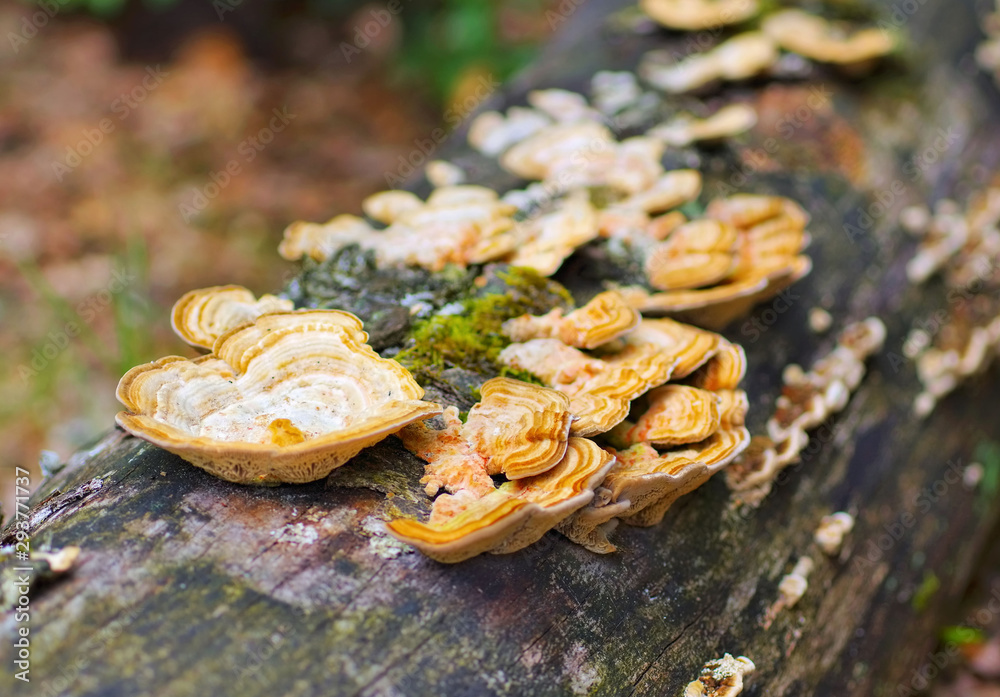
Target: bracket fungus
pixel 644 483
pixel 521 429
pixel 738 58
pixel 602 388
pixel 724 370
pixel 763 259
pixel 604 318
pixel 988 51
pixel 574 155
pixel 652 481
pixel 320 241
pixel 555 147
pixel 826 42
pixel 544 242
pixel 492 132
pixel 702 428
pixel 563 105
pixel 962 245
pixel 791 588
pixel 514 515
pixel 672 189
pixel 942 237
pixel 697 253
pixel 690 346
pixel 460 225
pixel 829 536
pixel 456 224
pixel 441 173
pixel 517 429
pixel 202 316
pixel 600 392
pixel 964 352
pixel 721 677
pixel 819 320
pixel 694 15
pixel 730 120
pixel 807 399
pixel 677 414
pixel 615 91
pixel 795 584
pixel 287 398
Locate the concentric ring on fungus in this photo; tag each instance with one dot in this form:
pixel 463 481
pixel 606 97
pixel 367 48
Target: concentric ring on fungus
pixel 694 15
pixel 712 278
pixel 288 398
pixel 202 316
pixel 514 515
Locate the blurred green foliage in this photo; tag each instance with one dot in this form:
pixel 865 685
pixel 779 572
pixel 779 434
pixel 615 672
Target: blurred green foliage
pixel 925 591
pixel 963 636
pixel 444 40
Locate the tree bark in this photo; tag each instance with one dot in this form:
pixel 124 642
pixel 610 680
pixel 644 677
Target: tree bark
pixel 188 585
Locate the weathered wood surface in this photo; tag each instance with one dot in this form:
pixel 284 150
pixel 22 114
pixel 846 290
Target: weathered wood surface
pixel 188 585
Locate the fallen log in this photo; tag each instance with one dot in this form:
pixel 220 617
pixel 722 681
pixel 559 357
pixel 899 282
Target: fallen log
pixel 186 584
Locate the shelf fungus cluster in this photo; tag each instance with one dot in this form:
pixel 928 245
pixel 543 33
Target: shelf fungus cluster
pixel 829 536
pixel 754 53
pixel 738 58
pixel 963 247
pixel 284 397
pixel 569 456
pixel 549 473
pixel 695 15
pixel 457 225
pixel 684 129
pixel 569 147
pixel 746 249
pixel 988 52
pixel 721 677
pixel 710 270
pixel 791 588
pixel 807 400
pixel 589 188
pixel 567 156
pixel 682 385
pixel 634 407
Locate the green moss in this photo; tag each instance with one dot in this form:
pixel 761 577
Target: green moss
pixel 963 636
pixel 925 591
pixel 536 292
pixel 603 196
pixel 473 339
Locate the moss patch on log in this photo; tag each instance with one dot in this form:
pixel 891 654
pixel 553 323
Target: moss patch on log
pixel 387 300
pixel 469 336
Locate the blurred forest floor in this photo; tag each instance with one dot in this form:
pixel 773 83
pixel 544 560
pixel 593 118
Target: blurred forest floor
pixel 115 195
